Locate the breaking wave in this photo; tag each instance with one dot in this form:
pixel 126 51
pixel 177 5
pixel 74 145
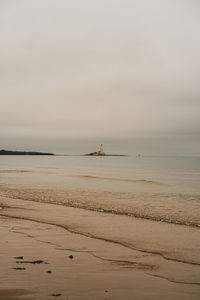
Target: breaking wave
pixel 145 181
pixel 182 209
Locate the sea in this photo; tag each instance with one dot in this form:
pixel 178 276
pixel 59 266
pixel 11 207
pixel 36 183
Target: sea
pixel 162 189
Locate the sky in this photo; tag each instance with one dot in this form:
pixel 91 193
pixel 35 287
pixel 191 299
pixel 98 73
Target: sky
pixel 126 73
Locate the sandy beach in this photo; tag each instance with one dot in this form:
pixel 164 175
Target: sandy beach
pixel 50 251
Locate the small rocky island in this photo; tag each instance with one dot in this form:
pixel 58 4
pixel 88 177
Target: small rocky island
pixel 9 152
pixel 98 153
pixel 102 153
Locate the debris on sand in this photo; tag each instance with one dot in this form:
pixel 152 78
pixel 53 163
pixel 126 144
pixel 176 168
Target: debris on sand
pixel 31 262
pixel 19 257
pixel 19 268
pixel 71 257
pixel 49 271
pixel 56 295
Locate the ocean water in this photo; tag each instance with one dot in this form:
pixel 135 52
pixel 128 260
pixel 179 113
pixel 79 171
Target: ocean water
pixel 163 189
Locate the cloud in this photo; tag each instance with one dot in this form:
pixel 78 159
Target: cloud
pixel 108 69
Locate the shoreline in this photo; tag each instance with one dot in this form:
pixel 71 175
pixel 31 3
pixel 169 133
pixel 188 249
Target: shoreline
pixel 80 199
pixel 110 228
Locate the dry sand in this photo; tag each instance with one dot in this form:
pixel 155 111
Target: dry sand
pixel 93 256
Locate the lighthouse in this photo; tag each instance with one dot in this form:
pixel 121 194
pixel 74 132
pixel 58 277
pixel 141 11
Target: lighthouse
pixel 101 152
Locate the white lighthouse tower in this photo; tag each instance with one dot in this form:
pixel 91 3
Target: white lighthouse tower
pixel 101 152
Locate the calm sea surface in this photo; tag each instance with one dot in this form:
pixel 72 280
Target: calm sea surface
pixel 159 188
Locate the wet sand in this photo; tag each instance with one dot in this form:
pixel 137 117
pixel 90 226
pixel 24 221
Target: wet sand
pixel 12 294
pixel 87 255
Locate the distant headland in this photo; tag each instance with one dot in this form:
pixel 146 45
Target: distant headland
pixel 9 152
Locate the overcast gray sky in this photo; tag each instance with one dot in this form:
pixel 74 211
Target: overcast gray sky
pixel 112 71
